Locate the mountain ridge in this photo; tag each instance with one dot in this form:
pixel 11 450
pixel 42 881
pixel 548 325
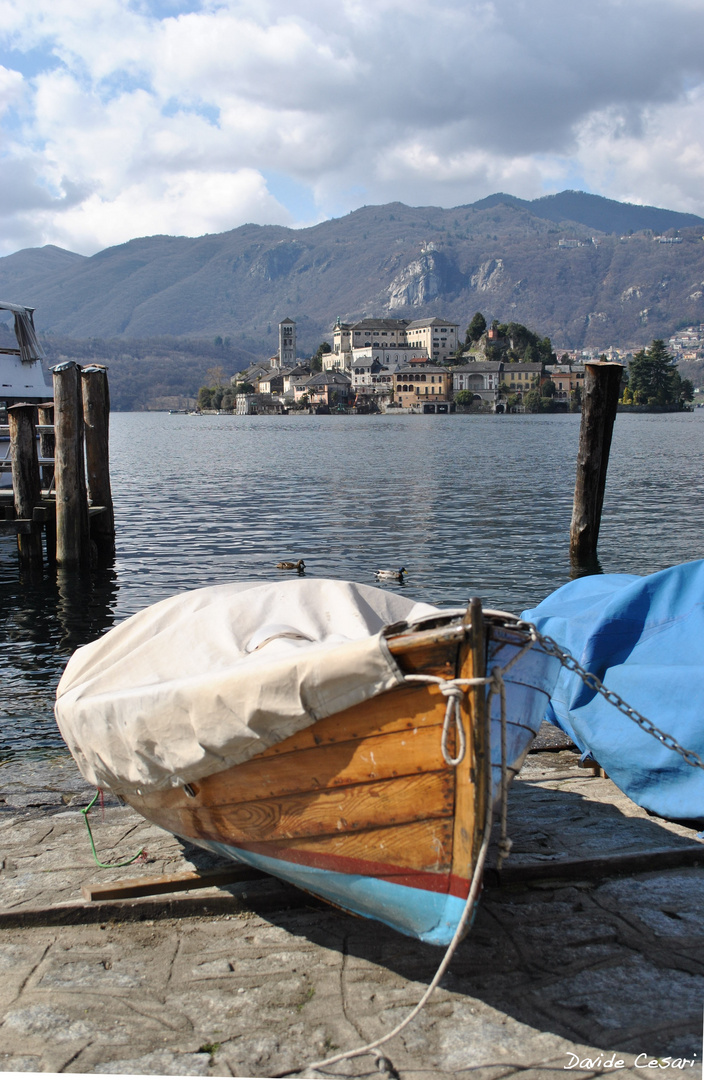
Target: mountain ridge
pixel 609 282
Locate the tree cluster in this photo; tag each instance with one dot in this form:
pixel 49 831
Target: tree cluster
pixel 218 397
pixel 513 343
pixel 316 360
pixel 517 344
pixel 653 378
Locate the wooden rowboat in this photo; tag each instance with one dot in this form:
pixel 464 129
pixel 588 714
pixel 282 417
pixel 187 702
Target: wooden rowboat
pixel 364 808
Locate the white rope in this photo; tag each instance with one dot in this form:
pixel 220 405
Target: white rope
pixel 454 696
pixel 453 690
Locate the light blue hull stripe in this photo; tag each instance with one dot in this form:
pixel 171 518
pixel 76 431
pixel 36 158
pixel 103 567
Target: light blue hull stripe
pixel 430 916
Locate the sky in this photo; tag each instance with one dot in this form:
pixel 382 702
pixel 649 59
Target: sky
pixel 127 118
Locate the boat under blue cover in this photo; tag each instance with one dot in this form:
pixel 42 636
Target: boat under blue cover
pixel 644 638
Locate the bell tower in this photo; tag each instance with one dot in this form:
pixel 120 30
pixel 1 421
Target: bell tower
pixel 287 343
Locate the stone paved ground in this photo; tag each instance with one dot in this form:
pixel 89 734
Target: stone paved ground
pixel 257 980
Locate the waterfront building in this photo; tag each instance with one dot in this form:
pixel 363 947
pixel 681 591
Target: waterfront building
pixel 522 377
pixel 567 378
pixel 364 369
pixel 483 378
pixel 325 388
pixel 257 405
pixel 421 382
pixel 371 378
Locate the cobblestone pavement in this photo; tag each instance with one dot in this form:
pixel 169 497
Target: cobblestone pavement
pixel 557 975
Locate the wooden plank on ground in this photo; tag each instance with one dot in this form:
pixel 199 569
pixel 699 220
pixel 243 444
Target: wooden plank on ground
pixel 151 886
pixel 631 862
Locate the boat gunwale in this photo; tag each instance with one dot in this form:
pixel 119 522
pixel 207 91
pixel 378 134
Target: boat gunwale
pixel 453 633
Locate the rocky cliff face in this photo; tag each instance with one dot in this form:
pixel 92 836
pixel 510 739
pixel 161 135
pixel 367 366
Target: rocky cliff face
pixel 426 278
pixel 489 277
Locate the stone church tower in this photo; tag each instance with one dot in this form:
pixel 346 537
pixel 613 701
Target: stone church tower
pixel 287 343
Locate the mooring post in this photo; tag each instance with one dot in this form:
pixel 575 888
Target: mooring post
pixel 26 481
pixel 72 535
pixel 96 417
pixel 602 382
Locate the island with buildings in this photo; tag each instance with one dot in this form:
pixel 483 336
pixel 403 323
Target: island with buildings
pixel 379 365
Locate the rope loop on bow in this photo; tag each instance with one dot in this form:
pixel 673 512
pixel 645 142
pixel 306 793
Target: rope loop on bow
pixel 454 695
pixel 453 690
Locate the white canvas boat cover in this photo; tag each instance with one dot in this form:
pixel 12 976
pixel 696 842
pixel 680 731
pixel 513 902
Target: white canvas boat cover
pixel 209 678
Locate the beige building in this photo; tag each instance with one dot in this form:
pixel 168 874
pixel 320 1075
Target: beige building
pixel 365 334
pixel 522 377
pixel 567 378
pixel 437 337
pixel 390 356
pixel 422 382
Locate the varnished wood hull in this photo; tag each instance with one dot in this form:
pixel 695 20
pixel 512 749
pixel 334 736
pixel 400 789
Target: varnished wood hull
pixel 362 808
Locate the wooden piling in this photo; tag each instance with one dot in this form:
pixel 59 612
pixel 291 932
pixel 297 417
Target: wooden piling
pixel 26 481
pixel 602 382
pixel 72 529
pixel 96 417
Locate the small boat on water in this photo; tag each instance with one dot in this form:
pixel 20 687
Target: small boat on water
pixel 322 731
pixel 22 378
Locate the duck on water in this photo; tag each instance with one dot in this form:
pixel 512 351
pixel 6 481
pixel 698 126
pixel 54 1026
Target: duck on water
pixel 390 575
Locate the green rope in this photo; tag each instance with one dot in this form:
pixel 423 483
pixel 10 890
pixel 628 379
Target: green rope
pixel 102 865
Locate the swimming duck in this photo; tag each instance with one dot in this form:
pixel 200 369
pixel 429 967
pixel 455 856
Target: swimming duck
pixel 390 575
pixel 300 566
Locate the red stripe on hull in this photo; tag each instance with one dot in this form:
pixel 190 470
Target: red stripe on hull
pixel 442 882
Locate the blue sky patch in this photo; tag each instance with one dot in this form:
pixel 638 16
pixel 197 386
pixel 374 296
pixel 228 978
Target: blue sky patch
pixel 29 62
pixel 296 197
pixel 211 113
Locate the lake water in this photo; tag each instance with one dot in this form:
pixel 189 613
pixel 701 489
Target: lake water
pixel 470 505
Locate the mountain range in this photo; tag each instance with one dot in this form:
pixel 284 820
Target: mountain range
pixel 581 269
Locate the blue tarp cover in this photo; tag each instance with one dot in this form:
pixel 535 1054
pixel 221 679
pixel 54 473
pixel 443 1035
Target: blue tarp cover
pixel 644 638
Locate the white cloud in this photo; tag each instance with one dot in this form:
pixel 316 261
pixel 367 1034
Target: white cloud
pixel 191 204
pixel 143 122
pixel 661 163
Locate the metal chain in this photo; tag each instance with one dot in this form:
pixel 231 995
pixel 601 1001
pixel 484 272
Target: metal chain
pixel 594 683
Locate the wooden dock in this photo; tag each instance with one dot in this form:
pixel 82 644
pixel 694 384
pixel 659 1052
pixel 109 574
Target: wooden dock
pixel 60 504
